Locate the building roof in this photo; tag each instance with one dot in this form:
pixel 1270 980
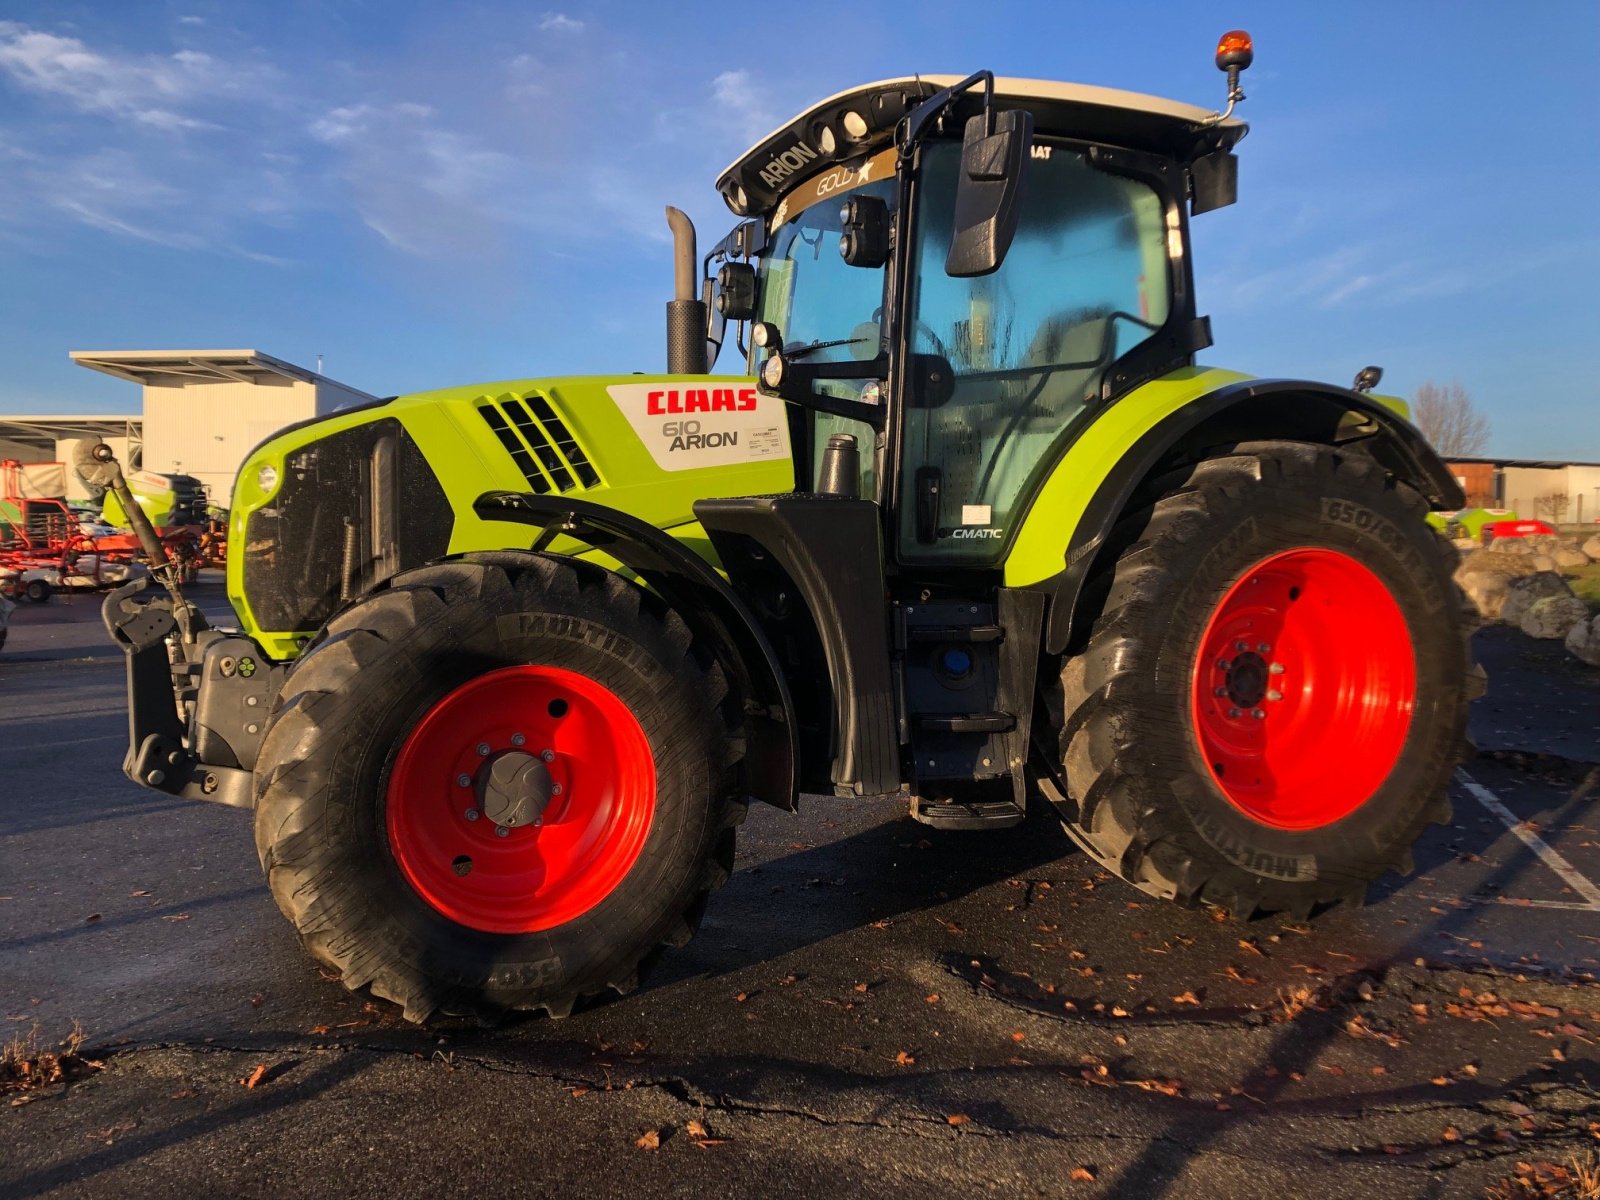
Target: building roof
pixel 1532 463
pixel 822 135
pixel 178 367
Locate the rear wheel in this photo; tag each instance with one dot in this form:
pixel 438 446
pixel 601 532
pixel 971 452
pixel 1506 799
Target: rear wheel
pixel 37 590
pixel 1265 713
pixel 500 783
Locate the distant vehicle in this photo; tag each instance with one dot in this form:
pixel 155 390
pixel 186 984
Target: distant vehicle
pixel 1495 530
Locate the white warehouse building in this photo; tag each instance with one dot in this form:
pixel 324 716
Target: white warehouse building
pixel 204 410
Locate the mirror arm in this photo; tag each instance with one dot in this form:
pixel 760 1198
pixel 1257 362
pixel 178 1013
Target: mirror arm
pixel 915 124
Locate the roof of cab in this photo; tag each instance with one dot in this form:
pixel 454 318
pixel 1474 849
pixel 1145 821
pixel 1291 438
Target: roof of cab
pixel 819 136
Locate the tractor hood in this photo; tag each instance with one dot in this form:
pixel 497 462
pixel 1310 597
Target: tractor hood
pixel 327 509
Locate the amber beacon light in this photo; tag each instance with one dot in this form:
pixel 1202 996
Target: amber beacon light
pixel 1235 52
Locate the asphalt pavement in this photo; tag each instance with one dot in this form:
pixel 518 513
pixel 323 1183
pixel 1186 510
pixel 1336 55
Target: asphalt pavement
pixel 871 1007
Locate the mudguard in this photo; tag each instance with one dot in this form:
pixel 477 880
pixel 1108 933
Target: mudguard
pixel 705 602
pixel 1238 410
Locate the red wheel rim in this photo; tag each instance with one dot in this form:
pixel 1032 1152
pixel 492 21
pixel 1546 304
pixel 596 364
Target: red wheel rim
pixel 601 782
pixel 1304 688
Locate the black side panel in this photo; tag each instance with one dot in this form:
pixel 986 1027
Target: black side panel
pixel 706 603
pixel 1248 410
pixel 831 548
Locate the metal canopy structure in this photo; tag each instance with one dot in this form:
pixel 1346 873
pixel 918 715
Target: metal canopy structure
pixel 48 427
pixel 175 368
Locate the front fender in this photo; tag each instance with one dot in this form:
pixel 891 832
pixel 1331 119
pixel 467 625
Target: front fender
pixel 705 602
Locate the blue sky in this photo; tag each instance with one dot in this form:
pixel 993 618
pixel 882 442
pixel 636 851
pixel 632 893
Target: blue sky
pixel 434 194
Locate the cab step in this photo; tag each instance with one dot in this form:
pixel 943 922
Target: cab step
pixel 979 814
pixel 977 722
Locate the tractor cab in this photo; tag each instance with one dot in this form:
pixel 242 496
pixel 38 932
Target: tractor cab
pixel 960 375
pixel 947 279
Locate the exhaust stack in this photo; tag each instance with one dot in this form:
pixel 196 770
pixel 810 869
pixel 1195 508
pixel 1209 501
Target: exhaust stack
pixel 686 315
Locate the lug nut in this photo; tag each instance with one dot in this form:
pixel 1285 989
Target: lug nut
pixel 1276 669
pixel 555 789
pixel 1258 713
pixel 1274 695
pixel 1221 691
pixel 538 821
pixel 1224 664
pixel 471 814
pixel 1240 646
pixel 463 780
pixel 517 739
pixel 548 755
pixel 1264 648
pixel 1233 712
pixel 483 749
pixel 501 831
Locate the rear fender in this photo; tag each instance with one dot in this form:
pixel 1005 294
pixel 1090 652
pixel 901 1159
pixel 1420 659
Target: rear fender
pixel 705 602
pixel 1237 411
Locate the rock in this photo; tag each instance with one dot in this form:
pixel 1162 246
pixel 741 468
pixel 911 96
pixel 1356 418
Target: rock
pixel 1465 545
pixel 1542 562
pixel 1592 547
pixel 1522 594
pixel 1583 639
pixel 1512 545
pixel 1554 617
pixel 1495 560
pixel 1569 556
pixel 1487 591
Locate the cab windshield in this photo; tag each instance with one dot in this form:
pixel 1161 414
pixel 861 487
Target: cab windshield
pixel 810 293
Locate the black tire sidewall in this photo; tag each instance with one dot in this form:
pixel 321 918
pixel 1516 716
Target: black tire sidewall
pixel 1375 528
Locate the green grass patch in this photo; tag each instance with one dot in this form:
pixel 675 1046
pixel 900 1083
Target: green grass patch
pixel 1585 583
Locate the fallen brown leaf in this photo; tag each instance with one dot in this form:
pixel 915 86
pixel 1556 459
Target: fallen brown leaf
pixel 255 1077
pixel 649 1140
pixel 1082 1175
pixel 958 1118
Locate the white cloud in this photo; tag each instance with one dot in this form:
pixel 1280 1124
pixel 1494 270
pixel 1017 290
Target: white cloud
pixel 554 22
pixel 150 90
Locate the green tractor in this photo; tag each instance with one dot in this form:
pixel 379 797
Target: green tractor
pixel 976 530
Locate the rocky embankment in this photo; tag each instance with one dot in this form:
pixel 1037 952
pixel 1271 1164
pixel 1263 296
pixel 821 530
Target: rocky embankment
pixel 1524 583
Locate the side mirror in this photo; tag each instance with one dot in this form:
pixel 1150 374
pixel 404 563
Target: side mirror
pixel 989 193
pixel 865 241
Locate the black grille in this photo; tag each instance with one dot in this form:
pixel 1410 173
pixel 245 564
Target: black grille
pixel 546 453
pixel 353 508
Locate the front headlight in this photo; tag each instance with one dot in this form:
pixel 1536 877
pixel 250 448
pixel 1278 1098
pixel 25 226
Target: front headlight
pixel 266 478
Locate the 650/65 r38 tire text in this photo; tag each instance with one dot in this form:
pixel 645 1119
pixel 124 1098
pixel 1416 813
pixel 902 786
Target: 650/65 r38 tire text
pixel 503 782
pixel 1267 709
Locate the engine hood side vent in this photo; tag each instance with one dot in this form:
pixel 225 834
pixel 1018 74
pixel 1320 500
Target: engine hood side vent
pixel 540 443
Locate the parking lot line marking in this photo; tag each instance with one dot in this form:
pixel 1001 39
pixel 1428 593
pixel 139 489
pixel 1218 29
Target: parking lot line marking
pixel 1569 905
pixel 1547 853
pixel 99 737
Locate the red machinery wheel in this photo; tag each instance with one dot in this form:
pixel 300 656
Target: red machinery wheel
pixel 569 739
pixel 1307 662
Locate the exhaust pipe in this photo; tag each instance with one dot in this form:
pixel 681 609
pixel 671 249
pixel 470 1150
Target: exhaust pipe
pixel 686 315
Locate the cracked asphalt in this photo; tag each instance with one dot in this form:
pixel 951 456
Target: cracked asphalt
pixel 871 1008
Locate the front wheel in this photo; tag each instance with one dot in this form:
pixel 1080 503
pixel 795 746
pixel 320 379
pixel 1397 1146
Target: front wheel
pixel 38 590
pixel 1267 710
pixel 499 783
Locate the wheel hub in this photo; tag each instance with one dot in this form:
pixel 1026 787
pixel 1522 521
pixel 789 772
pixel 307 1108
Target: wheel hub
pixel 514 789
pixel 1245 680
